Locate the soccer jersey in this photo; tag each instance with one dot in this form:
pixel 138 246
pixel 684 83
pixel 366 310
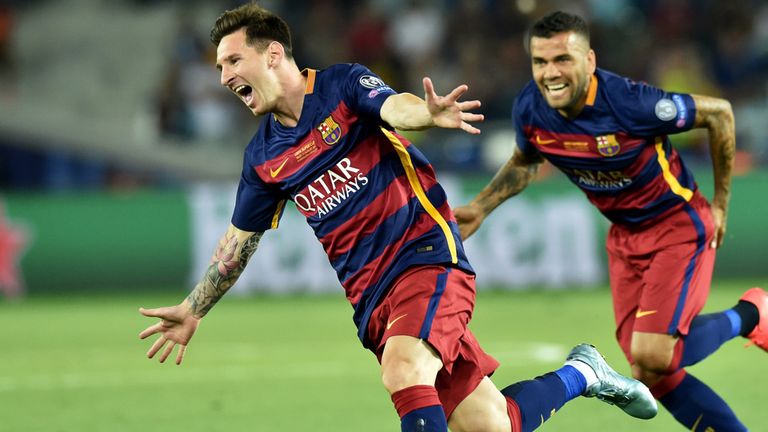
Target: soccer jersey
pixel 371 197
pixel 616 150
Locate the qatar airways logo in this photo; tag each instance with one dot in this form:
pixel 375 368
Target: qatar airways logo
pixel 331 189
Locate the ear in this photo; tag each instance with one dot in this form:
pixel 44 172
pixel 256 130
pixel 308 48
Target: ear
pixel 591 62
pixel 275 53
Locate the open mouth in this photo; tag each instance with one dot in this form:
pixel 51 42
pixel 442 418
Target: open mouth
pixel 245 92
pixel 556 90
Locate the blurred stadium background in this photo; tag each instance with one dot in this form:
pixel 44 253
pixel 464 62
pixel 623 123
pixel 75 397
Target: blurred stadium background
pixel 119 155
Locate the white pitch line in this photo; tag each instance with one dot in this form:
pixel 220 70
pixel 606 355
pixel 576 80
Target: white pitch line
pixel 511 354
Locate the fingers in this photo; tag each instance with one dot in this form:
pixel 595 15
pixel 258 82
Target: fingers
pixel 468 105
pixel 168 350
pixel 457 92
pixel 160 343
pixel 466 127
pixel 149 331
pixel 156 313
pixel 156 346
pixel 429 88
pixel 180 355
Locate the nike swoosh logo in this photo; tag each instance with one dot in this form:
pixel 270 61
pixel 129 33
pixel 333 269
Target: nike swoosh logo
pixel 391 323
pixel 642 313
pixel 540 141
pixel 275 172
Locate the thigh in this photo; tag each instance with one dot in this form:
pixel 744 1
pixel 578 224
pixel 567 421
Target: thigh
pixel 434 304
pixel 471 367
pixel 677 283
pixel 626 266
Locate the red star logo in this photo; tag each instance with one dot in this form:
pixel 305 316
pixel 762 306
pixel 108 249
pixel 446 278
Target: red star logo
pixel 12 242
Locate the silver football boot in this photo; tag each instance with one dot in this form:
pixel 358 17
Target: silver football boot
pixel 632 396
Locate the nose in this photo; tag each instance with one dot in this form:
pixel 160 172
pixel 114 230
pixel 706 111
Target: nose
pixel 226 76
pixel 551 71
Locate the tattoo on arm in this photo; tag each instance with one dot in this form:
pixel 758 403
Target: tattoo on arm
pixel 510 180
pixel 717 116
pixel 227 265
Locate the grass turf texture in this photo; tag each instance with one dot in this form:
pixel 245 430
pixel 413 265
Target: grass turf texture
pixel 294 364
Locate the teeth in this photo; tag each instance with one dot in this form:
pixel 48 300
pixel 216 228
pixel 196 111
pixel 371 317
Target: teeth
pixel 556 87
pixel 239 88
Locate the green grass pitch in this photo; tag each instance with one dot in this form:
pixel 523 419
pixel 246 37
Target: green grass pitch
pixel 294 364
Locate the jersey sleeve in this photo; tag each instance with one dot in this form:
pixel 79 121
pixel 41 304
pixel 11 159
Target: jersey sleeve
pixel 257 207
pixel 365 92
pixel 645 110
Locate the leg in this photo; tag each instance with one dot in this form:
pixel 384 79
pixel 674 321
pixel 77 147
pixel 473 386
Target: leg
pixel 409 367
pixel 526 405
pixel 659 329
pixel 408 361
pixel 416 332
pixel 485 409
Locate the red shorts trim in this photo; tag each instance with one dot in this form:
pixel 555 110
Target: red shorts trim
pixel 661 274
pixel 435 303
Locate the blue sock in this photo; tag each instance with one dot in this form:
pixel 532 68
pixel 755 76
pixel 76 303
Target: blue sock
pixel 698 408
pixel 707 333
pixel 541 397
pixel 427 419
pixel 574 381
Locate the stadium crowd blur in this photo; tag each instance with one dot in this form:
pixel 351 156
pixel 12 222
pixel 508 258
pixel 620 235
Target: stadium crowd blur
pixel 709 47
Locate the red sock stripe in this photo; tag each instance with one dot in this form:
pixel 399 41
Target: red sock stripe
pixel 414 397
pixel 514 415
pixel 667 384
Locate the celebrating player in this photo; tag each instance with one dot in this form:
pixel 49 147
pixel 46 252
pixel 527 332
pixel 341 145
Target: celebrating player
pixel 327 142
pixel 608 134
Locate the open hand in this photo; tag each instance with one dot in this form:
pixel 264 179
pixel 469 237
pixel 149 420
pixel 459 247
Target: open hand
pixel 176 327
pixel 448 112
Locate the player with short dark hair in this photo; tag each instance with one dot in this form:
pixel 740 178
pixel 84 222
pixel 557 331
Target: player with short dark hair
pixel 327 142
pixel 608 134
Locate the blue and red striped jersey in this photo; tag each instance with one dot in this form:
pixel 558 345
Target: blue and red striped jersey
pixel 616 150
pixel 370 196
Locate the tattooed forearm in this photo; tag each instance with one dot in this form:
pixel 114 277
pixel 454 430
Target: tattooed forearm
pixel 509 181
pixel 227 265
pixel 717 116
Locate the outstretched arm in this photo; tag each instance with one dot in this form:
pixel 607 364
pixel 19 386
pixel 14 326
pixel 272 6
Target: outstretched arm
pixel 178 323
pixel 509 181
pixel 717 116
pixel 406 111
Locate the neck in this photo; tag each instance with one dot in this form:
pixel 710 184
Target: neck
pixel 288 110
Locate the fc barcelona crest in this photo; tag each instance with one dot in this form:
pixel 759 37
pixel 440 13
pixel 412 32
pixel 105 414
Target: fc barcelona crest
pixel 607 145
pixel 330 130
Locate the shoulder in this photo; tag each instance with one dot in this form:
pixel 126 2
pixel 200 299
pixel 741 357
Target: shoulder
pixel 623 89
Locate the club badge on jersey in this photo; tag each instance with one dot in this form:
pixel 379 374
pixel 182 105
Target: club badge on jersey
pixel 330 130
pixel 607 145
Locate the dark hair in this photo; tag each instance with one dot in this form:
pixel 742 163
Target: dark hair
pixel 261 27
pixel 557 22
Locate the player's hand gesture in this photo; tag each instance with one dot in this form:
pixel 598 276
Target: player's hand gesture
pixel 448 112
pixel 176 327
pixel 469 218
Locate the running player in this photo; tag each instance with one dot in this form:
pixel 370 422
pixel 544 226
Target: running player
pixel 327 142
pixel 608 134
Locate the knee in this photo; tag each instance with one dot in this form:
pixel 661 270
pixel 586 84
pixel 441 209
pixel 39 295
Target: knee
pixel 496 423
pixel 400 373
pixel 651 359
pixel 647 377
pixel 408 362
